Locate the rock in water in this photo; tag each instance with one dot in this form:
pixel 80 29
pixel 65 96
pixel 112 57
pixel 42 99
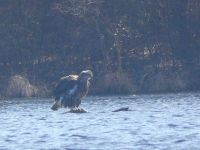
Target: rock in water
pixel 77 110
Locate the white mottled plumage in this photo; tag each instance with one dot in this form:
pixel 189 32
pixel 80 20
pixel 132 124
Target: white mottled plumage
pixel 72 91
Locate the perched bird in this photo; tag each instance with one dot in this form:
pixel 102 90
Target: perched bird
pixel 71 89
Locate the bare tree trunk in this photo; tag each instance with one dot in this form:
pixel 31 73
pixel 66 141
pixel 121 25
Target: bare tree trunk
pixel 119 49
pixel 102 44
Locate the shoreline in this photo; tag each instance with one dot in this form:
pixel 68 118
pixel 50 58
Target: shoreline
pixel 108 95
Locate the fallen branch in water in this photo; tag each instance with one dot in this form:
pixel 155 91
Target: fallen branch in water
pixel 122 109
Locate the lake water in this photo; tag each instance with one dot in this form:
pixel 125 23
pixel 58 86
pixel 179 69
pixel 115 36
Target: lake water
pixel 170 121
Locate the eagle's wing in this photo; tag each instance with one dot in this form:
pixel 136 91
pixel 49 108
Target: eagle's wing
pixel 66 85
pixel 66 88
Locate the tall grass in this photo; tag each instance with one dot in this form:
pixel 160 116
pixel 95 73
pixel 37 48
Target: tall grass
pixel 19 87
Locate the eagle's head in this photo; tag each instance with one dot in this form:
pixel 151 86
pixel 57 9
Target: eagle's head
pixel 86 75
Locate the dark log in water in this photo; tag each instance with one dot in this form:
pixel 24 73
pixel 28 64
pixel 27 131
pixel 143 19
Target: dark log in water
pixel 122 109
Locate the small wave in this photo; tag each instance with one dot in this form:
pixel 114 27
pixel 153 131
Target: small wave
pixel 172 125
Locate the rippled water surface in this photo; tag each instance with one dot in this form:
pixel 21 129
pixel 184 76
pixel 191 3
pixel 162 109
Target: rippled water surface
pixel 170 121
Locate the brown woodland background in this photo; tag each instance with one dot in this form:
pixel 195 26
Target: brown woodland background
pixel 132 46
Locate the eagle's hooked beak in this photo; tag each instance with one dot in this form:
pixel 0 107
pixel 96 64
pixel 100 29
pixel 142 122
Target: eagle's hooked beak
pixel 91 78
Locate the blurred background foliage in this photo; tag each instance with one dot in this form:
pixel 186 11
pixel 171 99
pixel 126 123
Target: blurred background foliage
pixel 130 45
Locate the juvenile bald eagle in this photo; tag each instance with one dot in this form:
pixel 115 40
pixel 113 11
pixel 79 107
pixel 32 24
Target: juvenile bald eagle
pixel 71 89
